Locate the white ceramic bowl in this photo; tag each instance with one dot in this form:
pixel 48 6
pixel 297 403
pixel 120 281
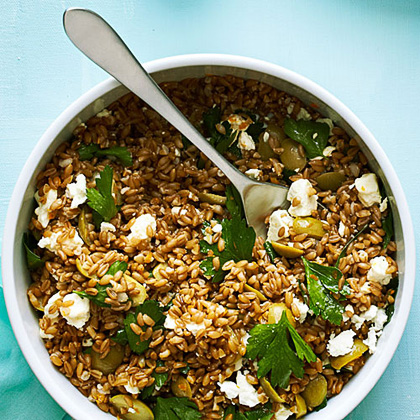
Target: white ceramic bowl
pixel 16 277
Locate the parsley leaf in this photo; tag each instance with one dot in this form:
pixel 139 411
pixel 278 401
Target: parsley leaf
pixel 101 200
pixel 151 308
pixel 120 337
pixel 263 413
pixel 33 260
pixel 99 298
pixel 320 283
pixel 160 379
pixel 234 202
pixel 176 409
pixel 239 243
pixel 387 225
pixel 312 135
pixel 270 345
pixel 121 153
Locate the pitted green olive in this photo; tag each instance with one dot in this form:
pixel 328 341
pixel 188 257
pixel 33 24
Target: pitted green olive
pixel 330 181
pixel 315 392
pixel 109 363
pixel 291 158
pixel 139 410
pixel 313 227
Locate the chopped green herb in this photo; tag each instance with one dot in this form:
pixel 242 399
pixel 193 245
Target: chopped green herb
pixel 239 243
pixel 320 284
pixel 160 379
pixel 101 199
pixel 312 135
pixel 151 308
pixel 185 142
pixel 120 337
pixel 388 227
pixel 99 298
pixel 263 413
pixel 33 260
pixel 346 246
pixel 269 344
pixel 87 152
pixel 287 173
pixel 234 202
pixel 184 370
pixel 117 266
pixel 176 409
pixel 270 250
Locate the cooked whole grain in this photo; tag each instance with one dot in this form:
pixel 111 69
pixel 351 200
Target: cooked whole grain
pixel 164 175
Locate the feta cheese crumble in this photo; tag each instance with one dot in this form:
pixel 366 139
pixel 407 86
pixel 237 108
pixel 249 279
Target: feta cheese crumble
pixel 107 227
pixel 77 191
pixel 53 316
pixel 341 344
pixel 279 219
pixel 131 389
pixel 377 272
pixel 78 313
pixel 384 205
pixel 254 174
pixel 328 151
pixel 104 113
pixel 283 413
pixel 371 340
pixel 350 309
pixel 194 328
pixel 247 394
pixel 368 189
pixel 43 211
pixel 245 141
pixel 303 309
pixel 303 114
pixel 305 195
pixel 140 229
pixel 72 244
pixel 169 322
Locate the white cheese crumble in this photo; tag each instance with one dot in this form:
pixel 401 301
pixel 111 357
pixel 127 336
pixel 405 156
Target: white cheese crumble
pixel 254 174
pixel 77 191
pixel 371 341
pixel 43 210
pixel 350 309
pixel 327 121
pixel 377 272
pixel 303 309
pixel 247 394
pixel 52 316
pixel 384 205
pixel 238 365
pixel 245 141
pixel 107 227
pixel 290 108
pixel 283 413
pixel 73 244
pixel 328 151
pixel 303 114
pixel 139 230
pixel 65 162
pixel 194 328
pixel 131 389
pixel 302 190
pixel 217 228
pixel 341 344
pixel 366 287
pixel 341 228
pixel 279 219
pixel 368 189
pixel 169 322
pixel 78 313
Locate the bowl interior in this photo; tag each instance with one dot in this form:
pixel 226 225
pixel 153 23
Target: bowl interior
pixel 25 322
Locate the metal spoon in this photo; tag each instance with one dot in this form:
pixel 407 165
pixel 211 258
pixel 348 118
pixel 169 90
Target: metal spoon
pixel 99 42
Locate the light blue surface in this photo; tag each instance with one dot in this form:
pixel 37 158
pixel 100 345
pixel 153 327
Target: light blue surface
pixel 367 53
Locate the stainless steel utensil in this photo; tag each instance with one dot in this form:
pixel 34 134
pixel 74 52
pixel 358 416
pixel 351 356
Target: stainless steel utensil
pixel 99 42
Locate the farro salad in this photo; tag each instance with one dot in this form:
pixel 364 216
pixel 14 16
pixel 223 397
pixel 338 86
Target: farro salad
pixel 158 301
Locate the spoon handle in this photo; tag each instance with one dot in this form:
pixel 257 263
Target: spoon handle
pixel 99 42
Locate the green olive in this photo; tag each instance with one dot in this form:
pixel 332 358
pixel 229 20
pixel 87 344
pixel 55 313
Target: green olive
pixel 141 296
pixel 315 392
pixel 212 198
pixel 270 391
pixel 264 149
pixel 82 270
pixel 83 227
pixel 141 410
pixel 286 251
pixel 301 406
pixel 358 349
pixel 291 158
pixel 313 227
pixel 330 181
pixel 109 363
pixel 275 312
pixel 156 271
pixel 276 132
pixel 181 388
pixel 260 296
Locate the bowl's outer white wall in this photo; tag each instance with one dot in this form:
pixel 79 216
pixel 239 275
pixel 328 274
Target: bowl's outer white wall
pixel 16 278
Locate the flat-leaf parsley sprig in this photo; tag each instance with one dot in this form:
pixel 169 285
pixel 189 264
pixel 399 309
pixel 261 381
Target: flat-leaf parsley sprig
pixel 269 344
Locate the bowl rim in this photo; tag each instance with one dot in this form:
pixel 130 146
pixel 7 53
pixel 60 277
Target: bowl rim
pixel 168 63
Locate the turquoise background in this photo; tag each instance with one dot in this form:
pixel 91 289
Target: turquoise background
pixel 365 52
